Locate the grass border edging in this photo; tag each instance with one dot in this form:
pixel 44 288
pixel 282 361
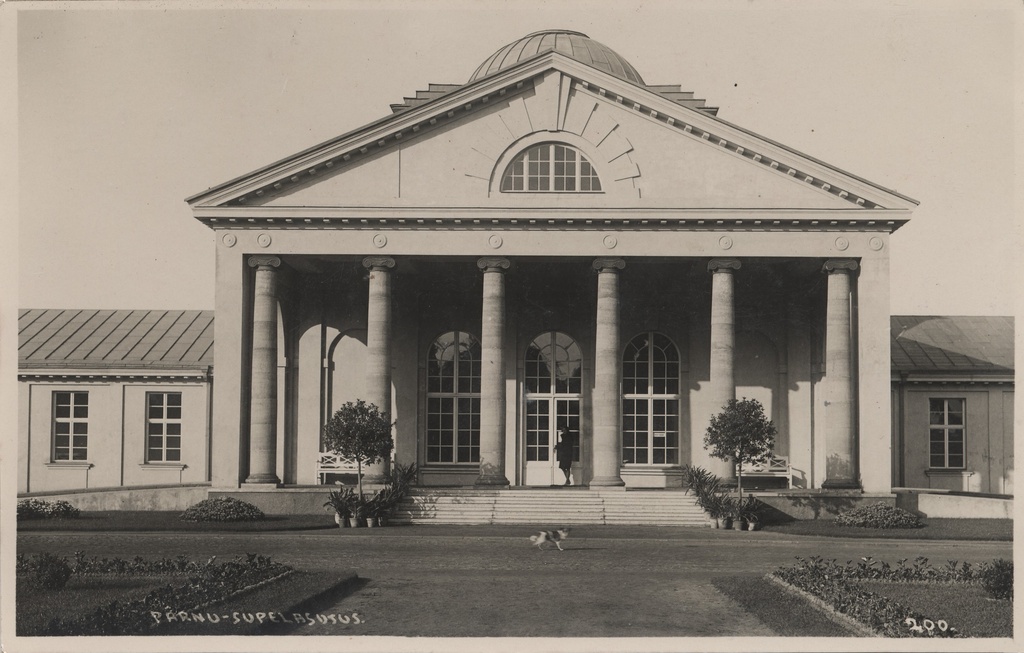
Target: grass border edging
pixel 308 603
pixel 844 620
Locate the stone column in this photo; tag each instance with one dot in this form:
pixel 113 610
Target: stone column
pixel 492 373
pixel 378 348
pixel 263 422
pixel 607 400
pixel 840 443
pixel 723 343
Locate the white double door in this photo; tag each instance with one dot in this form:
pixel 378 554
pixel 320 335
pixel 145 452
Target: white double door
pixel 545 415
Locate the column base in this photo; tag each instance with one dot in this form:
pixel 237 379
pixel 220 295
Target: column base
pixel 492 480
pixel 606 481
pixel 263 479
pixel 840 484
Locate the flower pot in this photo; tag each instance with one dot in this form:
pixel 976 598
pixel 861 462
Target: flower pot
pixel 371 522
pixel 752 526
pixel 737 525
pixel 339 521
pixel 352 522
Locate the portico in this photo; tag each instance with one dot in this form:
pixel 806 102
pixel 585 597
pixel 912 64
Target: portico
pixel 553 242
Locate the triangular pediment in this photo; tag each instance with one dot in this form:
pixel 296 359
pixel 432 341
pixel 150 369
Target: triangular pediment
pixel 650 150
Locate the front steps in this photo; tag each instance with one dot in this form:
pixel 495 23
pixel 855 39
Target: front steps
pixel 549 507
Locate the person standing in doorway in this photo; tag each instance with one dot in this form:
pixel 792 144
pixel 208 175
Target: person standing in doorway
pixel 563 451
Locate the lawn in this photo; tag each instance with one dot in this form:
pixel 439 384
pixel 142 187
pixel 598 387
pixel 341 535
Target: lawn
pixel 82 594
pixel 1000 530
pixel 163 521
pixel 786 614
pixel 966 607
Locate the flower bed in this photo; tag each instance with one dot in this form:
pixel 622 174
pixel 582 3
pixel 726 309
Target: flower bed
pixel 836 585
pixel 207 584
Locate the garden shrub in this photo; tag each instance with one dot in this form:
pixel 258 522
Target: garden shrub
pixel 879 515
pixel 40 509
pixel 997 578
pixel 44 570
pixel 222 509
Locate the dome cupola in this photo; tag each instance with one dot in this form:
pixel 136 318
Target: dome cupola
pixel 579 46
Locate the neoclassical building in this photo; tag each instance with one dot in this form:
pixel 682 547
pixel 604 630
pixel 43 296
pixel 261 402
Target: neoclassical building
pixel 555 241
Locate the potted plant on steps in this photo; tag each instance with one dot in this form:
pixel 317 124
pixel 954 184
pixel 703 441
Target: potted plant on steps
pixel 751 513
pixel 361 432
pixel 341 501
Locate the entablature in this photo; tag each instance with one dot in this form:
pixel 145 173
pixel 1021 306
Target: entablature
pixel 878 220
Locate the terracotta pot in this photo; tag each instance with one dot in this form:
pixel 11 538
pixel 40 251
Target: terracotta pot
pixel 352 522
pixel 371 521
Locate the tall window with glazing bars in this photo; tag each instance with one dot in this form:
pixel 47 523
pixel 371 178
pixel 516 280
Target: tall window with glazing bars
pixel 650 401
pixel 70 426
pixel 453 399
pixel 946 433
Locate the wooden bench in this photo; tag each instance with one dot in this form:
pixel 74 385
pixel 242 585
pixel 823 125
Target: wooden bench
pixel 333 463
pixel 774 467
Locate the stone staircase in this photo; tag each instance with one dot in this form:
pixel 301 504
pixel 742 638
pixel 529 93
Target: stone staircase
pixel 549 507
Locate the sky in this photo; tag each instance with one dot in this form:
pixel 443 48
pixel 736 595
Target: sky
pixel 124 110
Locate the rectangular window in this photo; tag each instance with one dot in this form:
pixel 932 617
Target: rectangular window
pixel 453 430
pixel 70 426
pixel 946 433
pixel 163 427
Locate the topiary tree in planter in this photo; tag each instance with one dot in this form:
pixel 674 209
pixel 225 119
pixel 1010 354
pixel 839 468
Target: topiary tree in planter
pixel 741 432
pixel 359 431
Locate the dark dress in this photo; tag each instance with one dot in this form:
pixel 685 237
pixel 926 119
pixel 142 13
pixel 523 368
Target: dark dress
pixel 563 452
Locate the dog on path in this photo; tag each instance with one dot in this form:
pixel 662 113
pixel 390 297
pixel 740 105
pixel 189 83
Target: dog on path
pixel 555 537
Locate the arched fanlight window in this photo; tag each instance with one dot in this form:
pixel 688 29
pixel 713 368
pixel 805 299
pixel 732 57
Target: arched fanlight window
pixel 550 168
pixel 453 399
pixel 650 401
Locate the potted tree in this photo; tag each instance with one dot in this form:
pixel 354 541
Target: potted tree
pixel 741 432
pixel 361 432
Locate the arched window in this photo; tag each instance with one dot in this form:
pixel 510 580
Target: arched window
pixel 650 401
pixel 453 399
pixel 550 168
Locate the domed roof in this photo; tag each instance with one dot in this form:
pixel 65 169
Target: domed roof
pixel 579 46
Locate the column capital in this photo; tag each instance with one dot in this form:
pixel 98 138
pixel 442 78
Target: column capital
pixel 378 262
pixel 723 264
pixel 609 264
pixel 839 265
pixel 264 261
pixel 493 263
